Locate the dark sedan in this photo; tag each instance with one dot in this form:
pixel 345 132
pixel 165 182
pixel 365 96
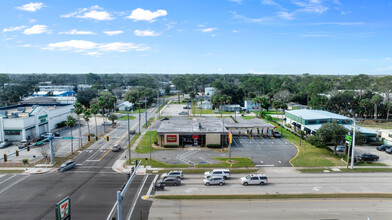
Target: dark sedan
pixel 368 157
pixel 171 181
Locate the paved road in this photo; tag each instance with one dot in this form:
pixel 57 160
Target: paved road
pixel 331 209
pixel 92 186
pixel 290 183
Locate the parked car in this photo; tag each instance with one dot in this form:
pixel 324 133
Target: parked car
pixel 277 134
pixel 56 134
pixel 23 144
pixel 187 107
pixel 107 123
pixel 254 179
pixel 132 131
pixel 5 144
pixel 164 119
pixel 171 181
pixel 389 150
pixel 367 157
pixel 153 104
pixel 183 113
pixel 214 180
pixel 340 148
pixel 174 173
pixel 67 166
pixel 224 173
pixel 383 147
pixel 116 148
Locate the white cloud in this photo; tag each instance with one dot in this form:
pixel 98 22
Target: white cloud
pixel 387 69
pixel 32 20
pixel 269 2
pixel 36 29
pixel 140 14
pixel 205 30
pixel 25 45
pixel 76 32
pixel 94 49
pixel 251 20
pixel 236 31
pixel 16 28
pixel 388 59
pixel 94 12
pixel 146 33
pixel 31 7
pixel 313 6
pixel 220 69
pixel 285 15
pixel 236 1
pixel 111 33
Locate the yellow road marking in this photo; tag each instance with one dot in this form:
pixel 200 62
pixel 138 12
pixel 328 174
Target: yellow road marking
pixel 118 141
pixel 283 200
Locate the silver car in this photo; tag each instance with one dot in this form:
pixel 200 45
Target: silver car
pixel 214 180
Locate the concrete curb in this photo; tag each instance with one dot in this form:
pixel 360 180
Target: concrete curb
pixel 39 170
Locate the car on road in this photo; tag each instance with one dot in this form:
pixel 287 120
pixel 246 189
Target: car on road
pixel 389 150
pixel 277 134
pixel 116 148
pixel 368 157
pixel 56 134
pixel 340 148
pixel 67 166
pixel 173 173
pixel 23 144
pixel 171 181
pixel 254 179
pixel 153 104
pixel 224 173
pixel 187 107
pixel 107 123
pixel 164 119
pixel 214 180
pixel 132 131
pixel 5 144
pixel 383 147
pixel 183 113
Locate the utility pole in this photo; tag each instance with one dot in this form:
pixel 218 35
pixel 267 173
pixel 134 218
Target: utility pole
pixel 159 104
pixel 300 132
pixel 51 148
pixel 129 142
pixel 353 148
pixel 150 144
pixel 139 116
pixel 145 108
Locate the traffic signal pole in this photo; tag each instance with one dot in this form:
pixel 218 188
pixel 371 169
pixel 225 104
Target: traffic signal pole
pixel 51 148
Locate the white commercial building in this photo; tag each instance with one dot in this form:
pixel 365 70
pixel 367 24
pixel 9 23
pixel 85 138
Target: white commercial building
pixel 24 122
pixel 209 91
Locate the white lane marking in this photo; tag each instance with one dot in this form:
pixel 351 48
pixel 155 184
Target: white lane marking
pixel 261 161
pixel 95 152
pixel 90 161
pixel 265 165
pixel 280 161
pixel 152 185
pixel 316 188
pixel 8 178
pixel 13 184
pixel 136 197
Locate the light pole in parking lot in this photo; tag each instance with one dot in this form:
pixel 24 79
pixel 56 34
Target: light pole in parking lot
pixel 352 152
pixel 129 142
pixel 145 108
pixel 300 132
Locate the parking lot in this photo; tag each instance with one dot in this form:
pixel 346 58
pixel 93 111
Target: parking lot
pixel 174 109
pixel 384 157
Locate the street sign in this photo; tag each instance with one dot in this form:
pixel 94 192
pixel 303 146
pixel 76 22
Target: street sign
pixel 68 138
pixel 349 138
pixel 63 209
pixel 230 137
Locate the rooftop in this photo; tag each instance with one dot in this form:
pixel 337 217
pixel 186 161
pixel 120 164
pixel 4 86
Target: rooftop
pixel 308 114
pixel 189 126
pixel 24 110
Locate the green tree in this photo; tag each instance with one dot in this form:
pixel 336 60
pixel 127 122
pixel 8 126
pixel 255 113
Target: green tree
pixel 181 85
pixel 78 109
pixel 86 117
pixel 201 105
pixel 376 100
pixel 261 101
pixel 332 133
pixel 102 103
pixel 94 110
pixel 70 122
pixel 85 96
pixel 112 117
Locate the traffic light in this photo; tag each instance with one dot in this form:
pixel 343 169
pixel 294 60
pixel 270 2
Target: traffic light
pixel 5 158
pixel 17 153
pixel 28 148
pixel 88 138
pixel 96 138
pixel 107 138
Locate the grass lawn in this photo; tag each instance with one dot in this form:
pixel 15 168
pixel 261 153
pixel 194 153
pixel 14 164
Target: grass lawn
pixel 125 118
pixel 365 164
pixel 237 162
pixel 372 124
pixel 144 144
pixel 10 171
pixel 161 107
pixel 160 117
pixel 148 122
pixel 201 171
pixel 309 155
pixel 355 170
pixel 158 164
pixel 248 117
pixel 134 138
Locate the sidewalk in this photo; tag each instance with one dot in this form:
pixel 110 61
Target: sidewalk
pixel 39 170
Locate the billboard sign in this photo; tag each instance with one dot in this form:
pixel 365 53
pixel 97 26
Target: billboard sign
pixel 171 138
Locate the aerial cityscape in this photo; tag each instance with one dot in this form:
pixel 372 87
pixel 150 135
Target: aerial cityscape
pixel 225 109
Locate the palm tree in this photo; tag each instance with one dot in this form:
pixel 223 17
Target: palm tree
pixel 70 123
pixel 94 110
pixel 376 100
pixel 86 117
pixel 102 104
pixel 79 110
pixel 262 102
pixel 228 100
pixel 201 105
pixel 222 100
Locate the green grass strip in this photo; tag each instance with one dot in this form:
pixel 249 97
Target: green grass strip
pixel 237 162
pixel 201 171
pixel 158 164
pixel 144 145
pixel 125 118
pixel 278 196
pixel 11 171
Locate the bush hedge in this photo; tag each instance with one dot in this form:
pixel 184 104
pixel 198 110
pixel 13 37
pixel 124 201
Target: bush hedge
pixel 214 146
pixel 170 146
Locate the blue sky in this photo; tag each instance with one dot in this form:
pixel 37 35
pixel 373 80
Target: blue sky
pixel 196 36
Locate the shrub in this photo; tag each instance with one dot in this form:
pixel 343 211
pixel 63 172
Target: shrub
pixel 315 140
pixel 25 161
pixel 61 124
pixel 268 117
pixel 214 146
pixel 170 146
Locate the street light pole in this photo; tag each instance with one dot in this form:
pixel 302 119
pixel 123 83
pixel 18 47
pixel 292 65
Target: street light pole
pixel 150 144
pixel 353 148
pixel 129 142
pixel 145 108
pixel 139 116
pixel 300 132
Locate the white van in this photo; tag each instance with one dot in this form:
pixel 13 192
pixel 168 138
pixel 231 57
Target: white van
pixel 224 173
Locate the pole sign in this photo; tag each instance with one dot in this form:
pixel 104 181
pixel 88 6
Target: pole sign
pixel 67 138
pixel 230 137
pixel 63 209
pixel 349 138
